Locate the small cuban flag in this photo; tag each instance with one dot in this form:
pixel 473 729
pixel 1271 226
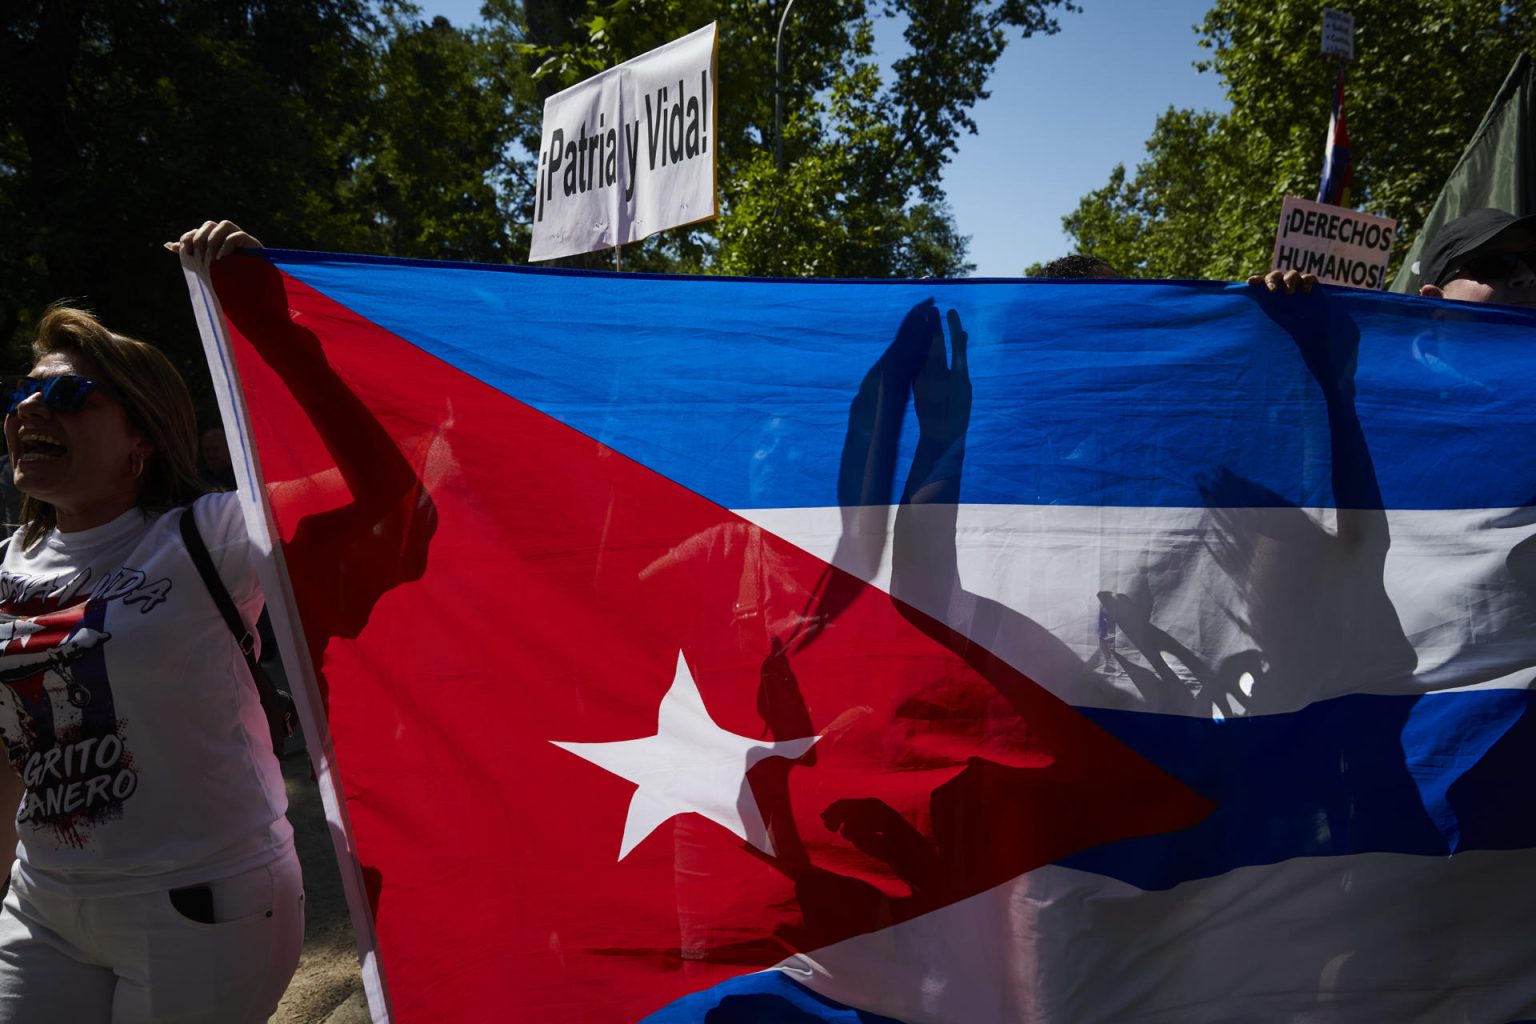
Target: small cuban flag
pixel 1337 173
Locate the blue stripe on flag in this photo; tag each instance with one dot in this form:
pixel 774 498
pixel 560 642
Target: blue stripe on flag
pixel 1434 775
pixel 1114 417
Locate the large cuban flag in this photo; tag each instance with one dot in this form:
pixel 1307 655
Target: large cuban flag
pixel 939 652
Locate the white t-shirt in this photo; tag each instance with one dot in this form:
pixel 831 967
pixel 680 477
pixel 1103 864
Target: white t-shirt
pixel 128 709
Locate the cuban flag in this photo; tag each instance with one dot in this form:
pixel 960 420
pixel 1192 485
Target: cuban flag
pixel 1337 172
pixel 690 650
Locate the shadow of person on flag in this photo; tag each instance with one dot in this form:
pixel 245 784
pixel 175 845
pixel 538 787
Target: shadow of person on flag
pixel 1011 766
pixel 925 569
pixel 1318 611
pixel 937 770
pixel 366 521
pixel 1364 771
pixel 1521 560
pixel 1521 563
pixel 1316 604
pixel 1281 562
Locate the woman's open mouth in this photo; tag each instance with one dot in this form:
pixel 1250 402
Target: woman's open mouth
pixel 40 447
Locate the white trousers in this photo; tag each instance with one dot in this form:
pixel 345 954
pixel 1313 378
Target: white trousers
pixel 138 959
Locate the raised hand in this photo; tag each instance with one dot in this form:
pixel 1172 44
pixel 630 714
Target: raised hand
pixel 214 240
pixel 1288 282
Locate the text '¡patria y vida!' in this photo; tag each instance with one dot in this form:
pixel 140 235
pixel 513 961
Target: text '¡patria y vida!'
pixel 580 158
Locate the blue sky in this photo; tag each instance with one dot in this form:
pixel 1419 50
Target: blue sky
pixel 1064 110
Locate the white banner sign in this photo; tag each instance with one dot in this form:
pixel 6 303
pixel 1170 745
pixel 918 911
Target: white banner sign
pixel 1340 246
pixel 1338 34
pixel 629 152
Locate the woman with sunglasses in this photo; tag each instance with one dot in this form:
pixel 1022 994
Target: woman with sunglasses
pixel 155 877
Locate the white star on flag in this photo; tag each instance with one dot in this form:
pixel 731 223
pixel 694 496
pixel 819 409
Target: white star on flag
pixel 691 765
pixel 19 630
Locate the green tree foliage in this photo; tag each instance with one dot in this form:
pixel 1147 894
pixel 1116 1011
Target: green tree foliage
pixel 837 211
pixel 325 124
pixel 861 194
pixel 1206 200
pixel 355 125
pixel 124 123
pixel 430 169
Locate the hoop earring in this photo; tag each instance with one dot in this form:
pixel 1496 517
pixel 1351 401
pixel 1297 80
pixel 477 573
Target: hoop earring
pixel 136 462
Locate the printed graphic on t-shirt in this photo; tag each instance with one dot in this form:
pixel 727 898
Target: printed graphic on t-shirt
pixel 60 725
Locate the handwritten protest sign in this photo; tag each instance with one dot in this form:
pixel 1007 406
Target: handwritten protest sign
pixel 1340 246
pixel 629 152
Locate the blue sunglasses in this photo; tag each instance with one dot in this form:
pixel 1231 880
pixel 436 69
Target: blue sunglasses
pixel 66 392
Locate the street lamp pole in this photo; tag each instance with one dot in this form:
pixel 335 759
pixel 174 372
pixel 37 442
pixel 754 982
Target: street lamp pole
pixel 778 90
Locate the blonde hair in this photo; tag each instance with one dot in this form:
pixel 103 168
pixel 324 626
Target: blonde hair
pixel 151 391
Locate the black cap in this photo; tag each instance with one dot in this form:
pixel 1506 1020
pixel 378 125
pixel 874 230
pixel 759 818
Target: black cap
pixel 1454 241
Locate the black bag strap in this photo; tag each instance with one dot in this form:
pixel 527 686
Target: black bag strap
pixel 216 589
pixel 278 705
